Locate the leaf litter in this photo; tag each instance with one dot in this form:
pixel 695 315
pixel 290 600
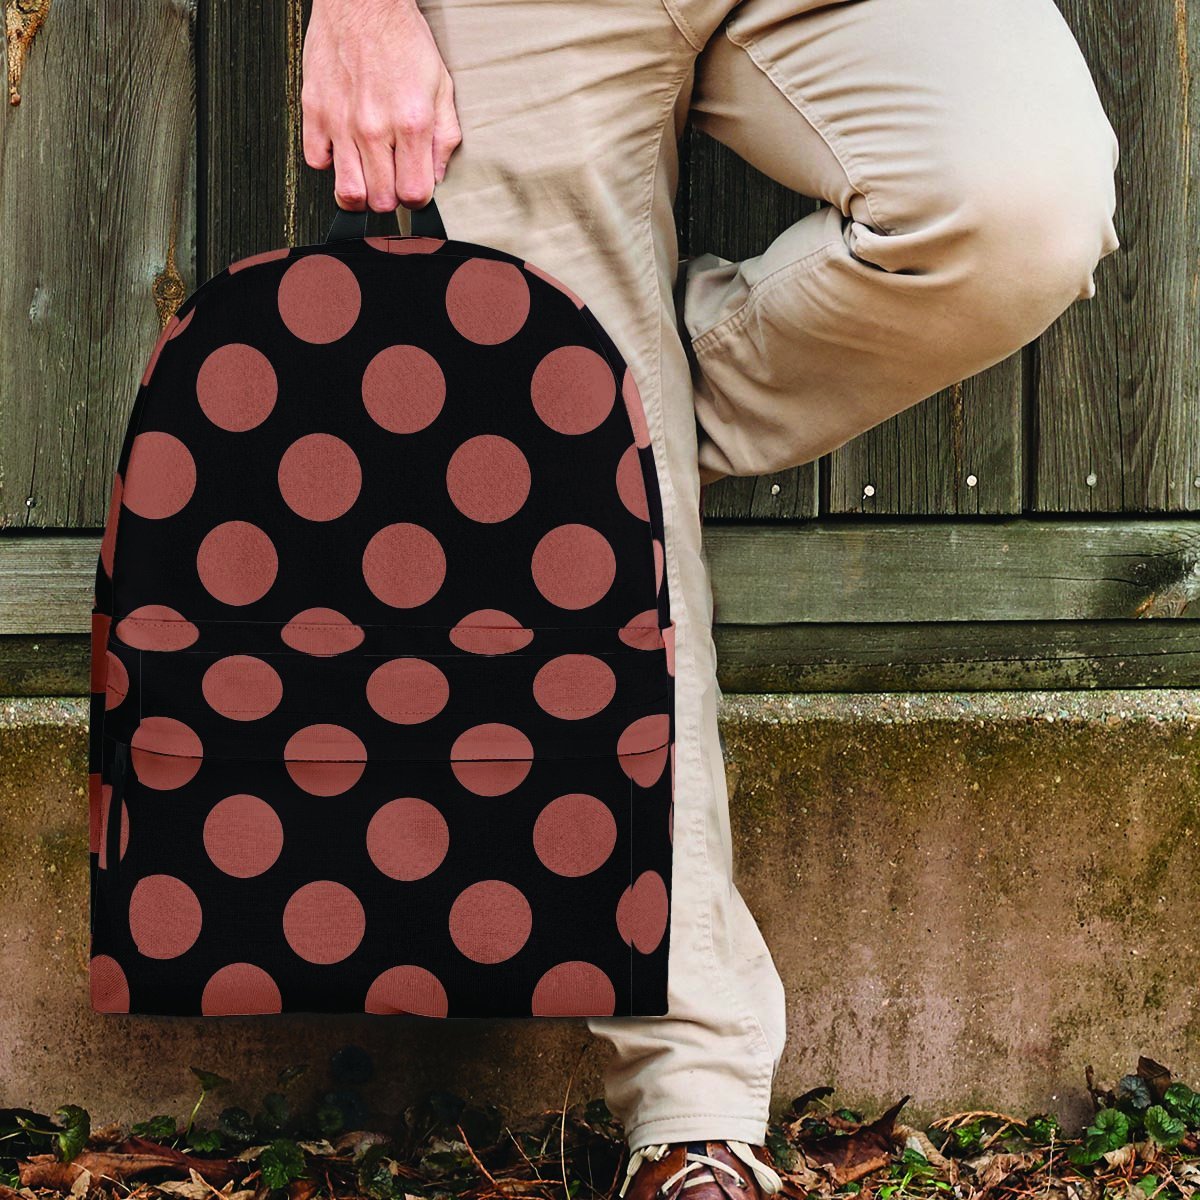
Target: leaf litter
pixel 1143 1143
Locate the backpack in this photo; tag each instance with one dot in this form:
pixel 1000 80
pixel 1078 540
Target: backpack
pixel 382 713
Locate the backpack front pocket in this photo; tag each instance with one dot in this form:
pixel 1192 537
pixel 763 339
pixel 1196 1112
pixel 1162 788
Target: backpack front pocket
pixel 449 833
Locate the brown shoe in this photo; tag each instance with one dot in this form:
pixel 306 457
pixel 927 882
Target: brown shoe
pixel 715 1170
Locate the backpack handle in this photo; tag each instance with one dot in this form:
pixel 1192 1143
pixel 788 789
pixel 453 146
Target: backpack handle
pixel 346 225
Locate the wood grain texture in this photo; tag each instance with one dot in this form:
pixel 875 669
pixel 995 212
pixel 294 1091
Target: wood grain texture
pixel 958 453
pixel 839 572
pixel 1118 397
pixel 257 193
pixel 97 218
pixel 954 571
pixel 957 656
pixel 817 657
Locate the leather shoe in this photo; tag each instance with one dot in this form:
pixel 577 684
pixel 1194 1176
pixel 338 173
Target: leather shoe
pixel 709 1170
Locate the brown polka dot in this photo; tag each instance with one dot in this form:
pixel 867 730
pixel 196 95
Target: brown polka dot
pixel 488 478
pixel 164 916
pixel 491 759
pixel 407 989
pixel 243 836
pixel 642 912
pixel 165 753
pixel 109 987
pixel 574 834
pixel 319 477
pixel 319 298
pixel 324 922
pixel 408 838
pixel 157 627
pixel 237 563
pixel 161 476
pixel 574 989
pixel 236 387
pixel 631 486
pixel 407 691
pixel 489 631
pixel 321 632
pixel 178 325
pixel 404 565
pixel 240 989
pixel 242 688
pixel 573 389
pixel 487 300
pixel 101 622
pixel 116 681
pixel 325 760
pixel 637 413
pixel 573 566
pixel 403 389
pixel 106 816
pixel 642 632
pixel 574 686
pixel 490 921
pixel 642 748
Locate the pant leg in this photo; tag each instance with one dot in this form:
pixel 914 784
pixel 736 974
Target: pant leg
pixel 968 167
pixel 569 111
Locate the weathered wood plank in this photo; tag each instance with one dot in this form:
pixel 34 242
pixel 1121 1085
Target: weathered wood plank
pixel 917 657
pixel 57 665
pixel 1119 389
pixel 957 656
pixel 97 202
pixel 954 571
pixel 46 584
pixel 839 572
pixel 257 192
pixel 955 454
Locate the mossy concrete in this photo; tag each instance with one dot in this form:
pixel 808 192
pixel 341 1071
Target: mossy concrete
pixel 969 896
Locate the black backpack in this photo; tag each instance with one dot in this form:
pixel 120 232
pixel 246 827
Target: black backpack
pixel 382 656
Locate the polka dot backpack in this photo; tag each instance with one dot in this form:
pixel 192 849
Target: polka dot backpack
pixel 382 656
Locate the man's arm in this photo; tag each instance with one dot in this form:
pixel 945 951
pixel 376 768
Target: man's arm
pixel 378 103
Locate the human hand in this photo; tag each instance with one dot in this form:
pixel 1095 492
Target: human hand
pixel 378 103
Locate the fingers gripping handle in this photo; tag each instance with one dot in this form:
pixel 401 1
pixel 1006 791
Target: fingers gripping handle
pixel 426 222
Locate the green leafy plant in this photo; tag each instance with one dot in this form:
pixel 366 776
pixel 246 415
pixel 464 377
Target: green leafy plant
pixel 1108 1131
pixel 1165 1129
pixel 157 1129
pixel 1180 1101
pixel 281 1162
pixel 210 1081
pixel 1043 1128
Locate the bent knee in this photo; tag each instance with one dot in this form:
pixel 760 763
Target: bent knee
pixel 1011 248
pixel 1016 224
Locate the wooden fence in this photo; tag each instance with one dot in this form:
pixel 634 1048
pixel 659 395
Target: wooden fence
pixel 1018 530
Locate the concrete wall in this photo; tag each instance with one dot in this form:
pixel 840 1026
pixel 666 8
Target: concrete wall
pixel 970 897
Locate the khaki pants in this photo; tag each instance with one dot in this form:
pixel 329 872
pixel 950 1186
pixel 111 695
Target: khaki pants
pixel 968 169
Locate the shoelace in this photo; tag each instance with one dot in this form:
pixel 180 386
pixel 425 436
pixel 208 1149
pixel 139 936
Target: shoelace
pixel 768 1178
